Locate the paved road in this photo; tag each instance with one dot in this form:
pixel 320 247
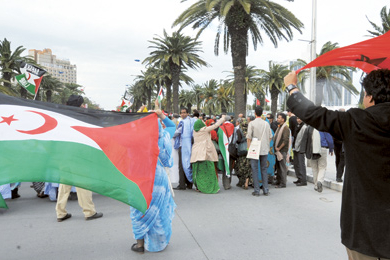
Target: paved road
pixel 292 223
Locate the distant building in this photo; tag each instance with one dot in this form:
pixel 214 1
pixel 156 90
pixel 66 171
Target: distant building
pixel 58 68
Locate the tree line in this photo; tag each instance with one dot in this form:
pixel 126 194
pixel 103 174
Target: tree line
pixel 173 55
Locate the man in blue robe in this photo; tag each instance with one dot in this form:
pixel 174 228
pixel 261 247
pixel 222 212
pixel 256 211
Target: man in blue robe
pixel 183 142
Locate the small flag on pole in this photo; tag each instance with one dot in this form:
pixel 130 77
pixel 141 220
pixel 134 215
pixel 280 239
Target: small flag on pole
pixel 257 102
pixel 160 95
pixel 31 77
pixel 266 100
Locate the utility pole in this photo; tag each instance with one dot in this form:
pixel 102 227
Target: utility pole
pixel 313 53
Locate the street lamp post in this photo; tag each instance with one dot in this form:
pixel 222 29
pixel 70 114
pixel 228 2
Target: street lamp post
pixel 313 51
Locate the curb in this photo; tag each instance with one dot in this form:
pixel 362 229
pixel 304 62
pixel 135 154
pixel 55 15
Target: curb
pixel 330 184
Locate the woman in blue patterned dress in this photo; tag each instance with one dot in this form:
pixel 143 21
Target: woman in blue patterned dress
pixel 153 229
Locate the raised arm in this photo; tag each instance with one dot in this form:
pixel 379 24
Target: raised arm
pixel 218 123
pixel 319 117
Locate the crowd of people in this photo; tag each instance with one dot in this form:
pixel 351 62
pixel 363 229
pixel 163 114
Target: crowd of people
pixel 210 147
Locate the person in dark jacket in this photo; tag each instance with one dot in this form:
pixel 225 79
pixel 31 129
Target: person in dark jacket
pixel 365 210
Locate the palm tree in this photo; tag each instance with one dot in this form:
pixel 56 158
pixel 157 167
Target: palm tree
pixel 251 83
pixel 10 65
pixel 210 94
pixel 181 52
pixel 68 89
pixel 223 98
pixel 147 81
pixel 238 18
pixel 385 27
pixel 272 80
pixel 330 77
pixel 186 99
pixel 197 92
pixel 50 85
pixel 138 94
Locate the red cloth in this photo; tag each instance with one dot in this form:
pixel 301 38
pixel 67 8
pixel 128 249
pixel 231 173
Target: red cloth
pixel 367 55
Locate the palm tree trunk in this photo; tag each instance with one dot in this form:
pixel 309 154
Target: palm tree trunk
pixel 48 95
pixel 175 71
pixel 274 100
pixel 223 108
pixel 149 93
pixel 168 87
pixel 23 92
pixel 239 42
pixel 7 79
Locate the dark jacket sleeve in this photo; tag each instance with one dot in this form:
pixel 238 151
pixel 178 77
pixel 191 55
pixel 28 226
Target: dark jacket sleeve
pixel 239 136
pixel 319 117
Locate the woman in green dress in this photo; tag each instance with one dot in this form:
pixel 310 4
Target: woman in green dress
pixel 203 157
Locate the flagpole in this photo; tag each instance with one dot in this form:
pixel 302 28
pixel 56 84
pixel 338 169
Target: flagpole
pixel 36 94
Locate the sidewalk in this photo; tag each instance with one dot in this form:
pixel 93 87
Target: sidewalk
pixel 330 175
pixel 229 225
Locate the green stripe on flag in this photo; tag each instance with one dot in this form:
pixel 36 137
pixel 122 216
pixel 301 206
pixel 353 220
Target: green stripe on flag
pixel 68 163
pixel 221 139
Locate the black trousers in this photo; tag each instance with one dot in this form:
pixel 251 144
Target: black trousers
pixel 300 166
pixel 340 161
pixel 183 181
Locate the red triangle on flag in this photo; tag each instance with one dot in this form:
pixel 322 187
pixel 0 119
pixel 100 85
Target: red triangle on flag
pixel 37 83
pixel 127 148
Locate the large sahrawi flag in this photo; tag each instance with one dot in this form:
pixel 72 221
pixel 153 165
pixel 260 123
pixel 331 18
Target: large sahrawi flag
pixel 114 154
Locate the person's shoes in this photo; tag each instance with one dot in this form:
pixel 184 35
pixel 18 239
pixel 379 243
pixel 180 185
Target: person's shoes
pixel 295 182
pixel 179 188
pixel 42 195
pixel 319 186
pixel 266 194
pixel 68 215
pixel 189 186
pixel 15 194
pixel 280 186
pixel 339 180
pixel 256 194
pixel 96 215
pixel 276 183
pixel 227 188
pixel 137 249
pixel 301 184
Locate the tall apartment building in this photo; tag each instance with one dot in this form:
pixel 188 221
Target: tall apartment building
pixel 60 69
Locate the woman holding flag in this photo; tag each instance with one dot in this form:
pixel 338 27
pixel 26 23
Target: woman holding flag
pixel 153 229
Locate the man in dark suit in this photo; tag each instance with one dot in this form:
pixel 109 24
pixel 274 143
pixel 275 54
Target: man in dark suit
pixel 365 210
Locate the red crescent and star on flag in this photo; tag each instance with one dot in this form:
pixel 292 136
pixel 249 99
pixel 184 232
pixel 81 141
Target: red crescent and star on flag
pixel 50 123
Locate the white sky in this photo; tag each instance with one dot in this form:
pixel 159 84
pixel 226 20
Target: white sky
pixel 103 38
